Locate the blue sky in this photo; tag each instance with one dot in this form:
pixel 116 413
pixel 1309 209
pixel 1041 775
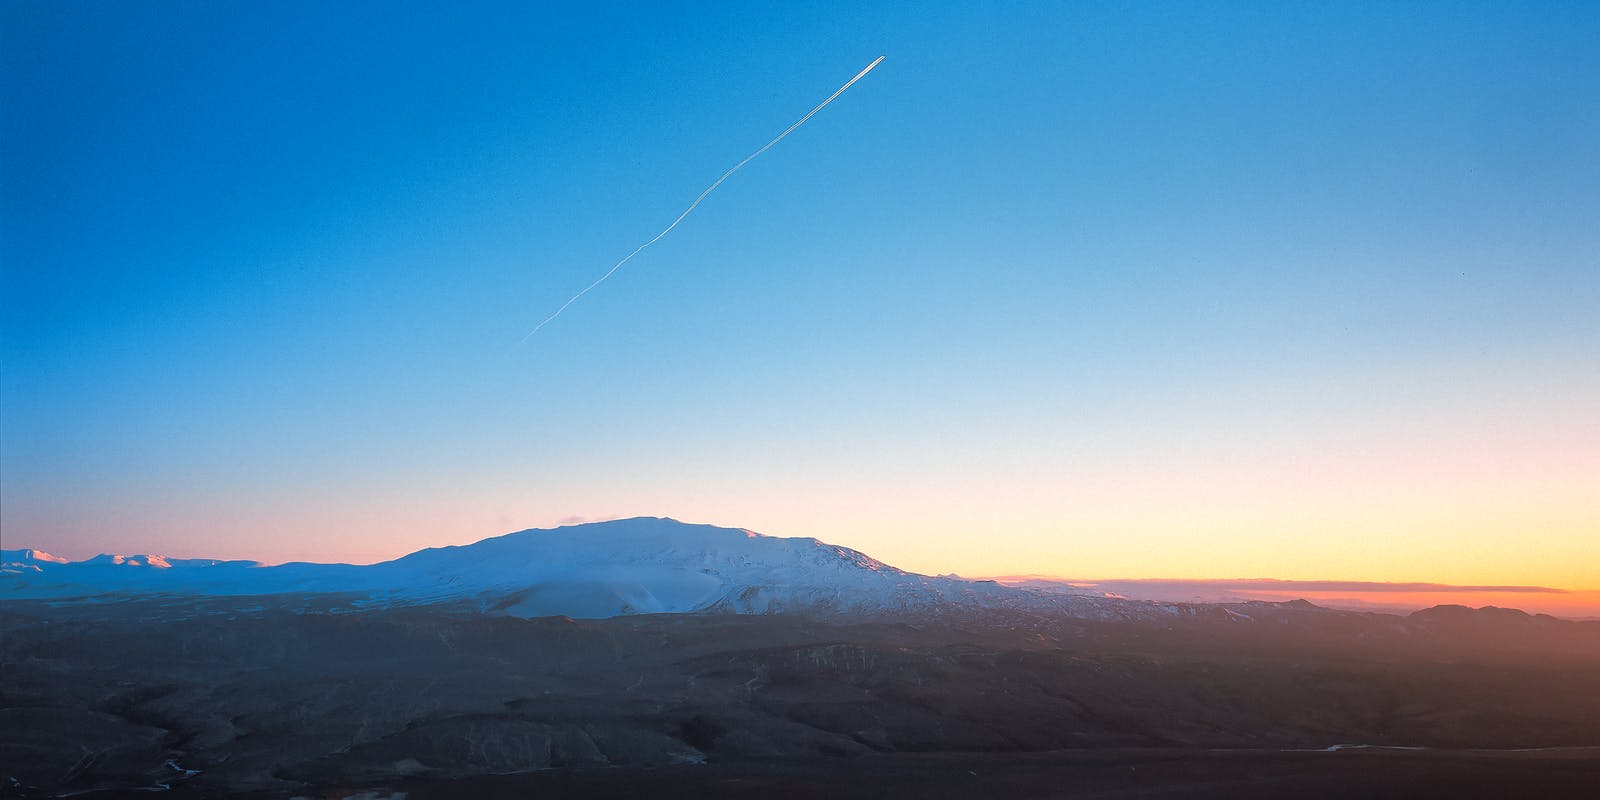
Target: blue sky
pixel 1164 289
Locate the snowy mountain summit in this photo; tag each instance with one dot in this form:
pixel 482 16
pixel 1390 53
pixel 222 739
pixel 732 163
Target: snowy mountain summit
pixel 634 566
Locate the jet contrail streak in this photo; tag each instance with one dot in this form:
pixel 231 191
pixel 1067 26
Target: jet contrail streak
pixel 709 190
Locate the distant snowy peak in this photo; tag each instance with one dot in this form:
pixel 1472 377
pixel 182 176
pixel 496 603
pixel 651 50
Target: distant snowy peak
pixel 20 561
pixel 647 565
pixel 141 560
pixel 654 541
pixel 632 566
pixel 148 561
pixel 29 557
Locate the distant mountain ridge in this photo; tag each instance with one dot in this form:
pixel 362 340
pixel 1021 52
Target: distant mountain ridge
pixel 603 569
pixel 657 565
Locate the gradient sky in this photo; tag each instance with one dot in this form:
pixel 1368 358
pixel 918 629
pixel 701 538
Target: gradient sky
pixel 1186 290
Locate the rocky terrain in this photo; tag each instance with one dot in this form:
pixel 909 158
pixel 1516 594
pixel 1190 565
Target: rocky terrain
pixel 210 699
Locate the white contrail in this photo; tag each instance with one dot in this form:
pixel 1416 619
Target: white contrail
pixel 709 190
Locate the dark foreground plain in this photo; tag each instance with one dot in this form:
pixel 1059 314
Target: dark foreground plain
pixel 310 697
pixel 1087 774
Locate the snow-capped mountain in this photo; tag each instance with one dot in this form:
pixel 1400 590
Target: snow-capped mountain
pixel 632 566
pixel 17 562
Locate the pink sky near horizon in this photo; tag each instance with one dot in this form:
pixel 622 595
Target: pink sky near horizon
pixel 1571 604
pixel 1558 602
pixel 1408 499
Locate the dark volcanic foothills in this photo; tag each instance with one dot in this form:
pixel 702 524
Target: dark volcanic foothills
pixel 284 701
